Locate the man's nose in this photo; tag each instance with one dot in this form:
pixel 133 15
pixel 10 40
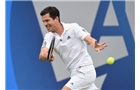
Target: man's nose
pixel 45 23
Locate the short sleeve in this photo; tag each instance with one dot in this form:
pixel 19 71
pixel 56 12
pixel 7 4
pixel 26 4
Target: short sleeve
pixel 81 33
pixel 46 41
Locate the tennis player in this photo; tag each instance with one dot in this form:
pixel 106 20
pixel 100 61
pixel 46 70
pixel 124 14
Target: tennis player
pixel 71 45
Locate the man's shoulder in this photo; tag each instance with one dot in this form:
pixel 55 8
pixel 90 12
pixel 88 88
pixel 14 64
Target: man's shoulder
pixel 70 25
pixel 49 34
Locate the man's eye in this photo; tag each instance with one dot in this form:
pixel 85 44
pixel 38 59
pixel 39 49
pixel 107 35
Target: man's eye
pixel 46 21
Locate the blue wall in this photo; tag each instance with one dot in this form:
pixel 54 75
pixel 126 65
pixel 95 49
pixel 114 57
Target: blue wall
pixel 25 71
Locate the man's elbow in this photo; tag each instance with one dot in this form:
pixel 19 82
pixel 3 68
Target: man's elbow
pixel 42 58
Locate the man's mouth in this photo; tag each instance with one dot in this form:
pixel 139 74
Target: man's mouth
pixel 48 27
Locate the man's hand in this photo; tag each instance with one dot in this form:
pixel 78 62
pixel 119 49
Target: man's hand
pixel 99 47
pixel 52 58
pixel 93 42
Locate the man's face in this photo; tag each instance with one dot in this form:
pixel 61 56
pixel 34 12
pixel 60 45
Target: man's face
pixel 49 22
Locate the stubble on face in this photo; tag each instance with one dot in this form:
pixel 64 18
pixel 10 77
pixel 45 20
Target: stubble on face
pixel 48 22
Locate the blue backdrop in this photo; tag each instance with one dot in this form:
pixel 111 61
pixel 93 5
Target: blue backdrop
pixel 24 71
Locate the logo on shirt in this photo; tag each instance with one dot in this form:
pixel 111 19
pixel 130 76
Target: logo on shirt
pixel 68 37
pixel 71 83
pixel 84 30
pixel 44 44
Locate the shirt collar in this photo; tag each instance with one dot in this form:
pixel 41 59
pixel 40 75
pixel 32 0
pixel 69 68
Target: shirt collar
pixel 65 26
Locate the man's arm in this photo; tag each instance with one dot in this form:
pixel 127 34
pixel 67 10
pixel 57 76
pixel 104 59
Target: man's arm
pixel 44 53
pixel 93 42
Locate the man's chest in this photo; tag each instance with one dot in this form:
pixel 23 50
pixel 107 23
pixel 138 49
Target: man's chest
pixel 66 41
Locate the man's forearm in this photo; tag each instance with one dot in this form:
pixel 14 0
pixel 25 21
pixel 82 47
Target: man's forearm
pixel 43 54
pixel 91 41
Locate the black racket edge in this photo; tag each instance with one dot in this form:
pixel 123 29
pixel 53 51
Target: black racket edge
pixel 51 48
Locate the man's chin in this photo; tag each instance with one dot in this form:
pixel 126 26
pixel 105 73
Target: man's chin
pixel 49 31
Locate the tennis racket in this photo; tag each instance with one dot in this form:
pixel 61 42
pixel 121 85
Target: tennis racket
pixel 51 48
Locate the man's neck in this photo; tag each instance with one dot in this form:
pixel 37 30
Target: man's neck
pixel 59 29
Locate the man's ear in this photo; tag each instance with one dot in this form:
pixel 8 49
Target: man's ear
pixel 57 18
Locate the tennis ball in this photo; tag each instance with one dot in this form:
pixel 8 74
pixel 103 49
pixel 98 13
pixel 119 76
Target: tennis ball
pixel 110 60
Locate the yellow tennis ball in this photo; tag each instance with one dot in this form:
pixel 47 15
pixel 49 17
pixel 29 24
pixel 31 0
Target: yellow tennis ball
pixel 110 60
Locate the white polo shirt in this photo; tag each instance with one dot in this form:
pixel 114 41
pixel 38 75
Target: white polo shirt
pixel 70 46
